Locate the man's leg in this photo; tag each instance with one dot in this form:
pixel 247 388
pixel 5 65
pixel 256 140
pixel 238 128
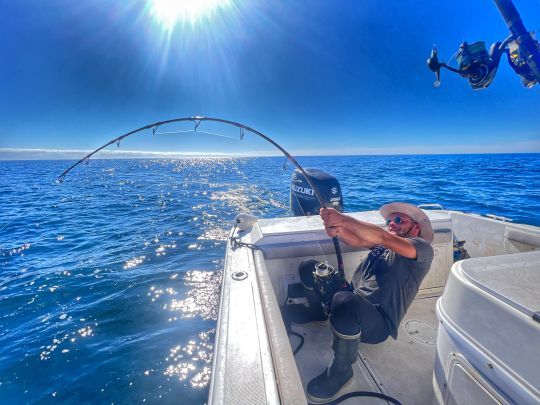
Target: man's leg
pixel 350 316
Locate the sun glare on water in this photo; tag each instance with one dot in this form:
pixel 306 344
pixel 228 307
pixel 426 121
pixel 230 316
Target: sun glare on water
pixel 168 13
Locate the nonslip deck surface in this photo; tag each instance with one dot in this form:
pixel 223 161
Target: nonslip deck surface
pixel 400 368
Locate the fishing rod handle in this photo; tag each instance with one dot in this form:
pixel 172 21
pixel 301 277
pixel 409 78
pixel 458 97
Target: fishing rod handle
pixel 337 247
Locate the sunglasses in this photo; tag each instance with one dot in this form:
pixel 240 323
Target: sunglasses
pixel 397 220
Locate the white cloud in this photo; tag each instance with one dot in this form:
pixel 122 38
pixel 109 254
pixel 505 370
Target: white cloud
pixel 72 154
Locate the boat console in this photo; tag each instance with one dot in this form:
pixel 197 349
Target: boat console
pixel 487 348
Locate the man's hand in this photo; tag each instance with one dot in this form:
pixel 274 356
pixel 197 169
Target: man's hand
pixel 332 220
pixel 343 226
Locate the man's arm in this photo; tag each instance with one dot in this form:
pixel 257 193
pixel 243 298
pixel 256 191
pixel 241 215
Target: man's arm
pixel 402 246
pixel 362 234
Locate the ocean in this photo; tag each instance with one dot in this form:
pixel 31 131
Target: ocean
pixel 110 281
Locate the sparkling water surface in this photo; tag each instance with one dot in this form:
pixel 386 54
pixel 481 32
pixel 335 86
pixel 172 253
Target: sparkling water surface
pixel 109 282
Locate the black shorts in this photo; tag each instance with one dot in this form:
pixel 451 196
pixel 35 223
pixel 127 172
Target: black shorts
pixel 353 314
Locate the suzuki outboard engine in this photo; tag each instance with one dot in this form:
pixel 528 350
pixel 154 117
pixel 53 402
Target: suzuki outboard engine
pixel 303 198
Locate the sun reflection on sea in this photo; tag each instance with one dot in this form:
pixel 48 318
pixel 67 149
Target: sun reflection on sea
pixel 192 361
pixel 134 262
pixel 202 298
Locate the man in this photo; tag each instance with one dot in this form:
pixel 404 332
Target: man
pixel 384 285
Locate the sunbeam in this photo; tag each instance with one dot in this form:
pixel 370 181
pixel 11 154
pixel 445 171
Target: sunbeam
pixel 168 13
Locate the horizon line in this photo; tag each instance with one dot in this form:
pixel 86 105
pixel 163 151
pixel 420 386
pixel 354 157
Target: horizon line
pixel 7 154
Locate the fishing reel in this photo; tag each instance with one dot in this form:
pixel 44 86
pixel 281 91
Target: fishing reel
pixel 474 63
pixel 524 65
pixel 328 281
pixel 479 66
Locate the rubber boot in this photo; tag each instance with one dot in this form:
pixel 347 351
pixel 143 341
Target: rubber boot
pixel 328 385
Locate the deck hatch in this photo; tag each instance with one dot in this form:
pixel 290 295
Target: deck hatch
pixel 421 331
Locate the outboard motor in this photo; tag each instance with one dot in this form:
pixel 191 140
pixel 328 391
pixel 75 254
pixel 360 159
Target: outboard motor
pixel 303 198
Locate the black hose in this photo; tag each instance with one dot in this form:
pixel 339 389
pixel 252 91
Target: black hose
pixel 301 341
pixel 349 394
pixel 362 394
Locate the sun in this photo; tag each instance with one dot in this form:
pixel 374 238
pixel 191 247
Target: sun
pixel 168 13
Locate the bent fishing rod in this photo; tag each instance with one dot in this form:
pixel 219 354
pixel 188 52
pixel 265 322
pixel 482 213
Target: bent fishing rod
pixel 243 128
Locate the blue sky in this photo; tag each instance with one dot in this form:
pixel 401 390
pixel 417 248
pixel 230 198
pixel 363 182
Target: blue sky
pixel 320 77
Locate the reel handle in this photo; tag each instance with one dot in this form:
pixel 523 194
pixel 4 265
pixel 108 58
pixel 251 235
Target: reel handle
pixel 435 66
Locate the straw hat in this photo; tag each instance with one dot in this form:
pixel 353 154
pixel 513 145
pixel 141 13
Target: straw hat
pixel 416 214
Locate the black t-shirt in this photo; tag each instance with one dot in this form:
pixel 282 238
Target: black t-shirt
pixel 391 281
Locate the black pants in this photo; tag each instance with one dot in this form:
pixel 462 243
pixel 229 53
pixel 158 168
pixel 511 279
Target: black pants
pixel 351 314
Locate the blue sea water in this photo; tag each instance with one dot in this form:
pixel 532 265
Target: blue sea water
pixel 109 282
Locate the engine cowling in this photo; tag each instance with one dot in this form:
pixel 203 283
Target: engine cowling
pixel 303 198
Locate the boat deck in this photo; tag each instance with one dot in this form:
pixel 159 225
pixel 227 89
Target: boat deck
pixel 253 360
pixel 399 368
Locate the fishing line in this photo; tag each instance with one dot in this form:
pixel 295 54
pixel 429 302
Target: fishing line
pixel 311 231
pixel 11 220
pixel 306 216
pixel 261 155
pixel 452 57
pixel 192 131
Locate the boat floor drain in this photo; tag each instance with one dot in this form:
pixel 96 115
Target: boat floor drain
pixel 421 331
pixel 239 275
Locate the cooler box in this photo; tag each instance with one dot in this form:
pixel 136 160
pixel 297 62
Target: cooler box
pixel 488 344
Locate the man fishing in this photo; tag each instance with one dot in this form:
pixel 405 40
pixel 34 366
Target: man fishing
pixel 383 286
